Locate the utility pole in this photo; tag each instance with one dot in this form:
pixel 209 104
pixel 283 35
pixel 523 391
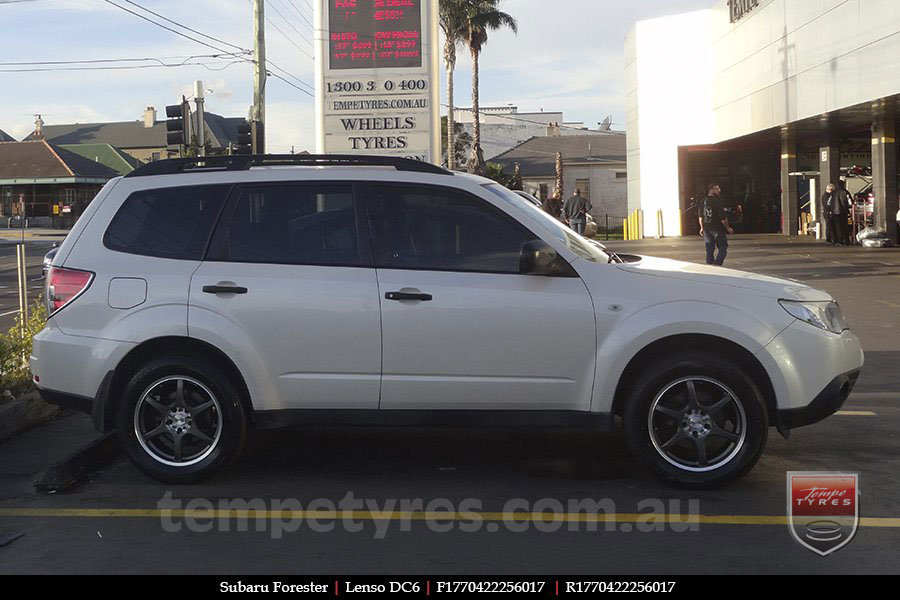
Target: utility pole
pixel 259 79
pixel 201 122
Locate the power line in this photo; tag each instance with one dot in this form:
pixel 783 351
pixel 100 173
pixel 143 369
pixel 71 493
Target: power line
pixel 186 27
pixel 112 60
pixel 289 74
pixel 302 16
pixel 176 32
pixel 210 66
pixel 286 36
pixel 279 13
pixel 277 76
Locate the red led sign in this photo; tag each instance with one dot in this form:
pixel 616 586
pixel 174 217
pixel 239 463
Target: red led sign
pixel 368 34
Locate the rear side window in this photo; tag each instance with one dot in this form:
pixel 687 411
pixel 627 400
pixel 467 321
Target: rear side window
pixel 168 222
pixel 294 224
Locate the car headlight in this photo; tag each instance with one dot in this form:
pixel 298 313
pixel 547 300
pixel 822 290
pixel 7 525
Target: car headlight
pixel 824 315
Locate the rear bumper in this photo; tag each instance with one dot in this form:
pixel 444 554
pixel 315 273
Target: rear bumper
pixel 70 401
pixel 829 401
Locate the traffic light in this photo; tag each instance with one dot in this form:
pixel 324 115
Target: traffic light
pixel 178 127
pixel 245 138
pixel 250 138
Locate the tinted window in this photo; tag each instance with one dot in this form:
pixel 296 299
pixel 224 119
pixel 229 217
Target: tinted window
pixel 439 229
pixel 294 224
pixel 167 222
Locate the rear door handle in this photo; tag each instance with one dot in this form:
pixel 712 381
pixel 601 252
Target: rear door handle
pixel 224 289
pixel 408 296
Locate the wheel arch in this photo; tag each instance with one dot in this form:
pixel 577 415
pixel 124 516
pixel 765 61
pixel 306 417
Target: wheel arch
pixel 108 401
pixel 701 342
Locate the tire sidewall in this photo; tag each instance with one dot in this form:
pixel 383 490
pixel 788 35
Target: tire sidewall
pixel 234 423
pixel 704 365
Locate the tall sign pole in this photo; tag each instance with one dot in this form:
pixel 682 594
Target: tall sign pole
pixel 377 69
pixel 259 78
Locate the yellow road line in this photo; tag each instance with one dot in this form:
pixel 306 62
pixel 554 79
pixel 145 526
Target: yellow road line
pixel 856 413
pixel 362 515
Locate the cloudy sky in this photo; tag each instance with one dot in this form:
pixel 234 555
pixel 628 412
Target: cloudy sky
pixel 567 56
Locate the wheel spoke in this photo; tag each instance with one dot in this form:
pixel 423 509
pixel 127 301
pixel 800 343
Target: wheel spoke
pixel 725 401
pixel 199 409
pixel 156 405
pixel 679 435
pixel 159 430
pixel 669 412
pixel 179 394
pixel 700 442
pixel 693 403
pixel 177 449
pixel 719 432
pixel 199 435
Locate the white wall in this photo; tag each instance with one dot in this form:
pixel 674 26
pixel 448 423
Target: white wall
pixel 697 79
pixel 669 104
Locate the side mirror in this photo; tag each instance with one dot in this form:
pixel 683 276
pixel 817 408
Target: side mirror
pixel 539 258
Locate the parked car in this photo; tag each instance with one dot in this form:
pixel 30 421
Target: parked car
pixel 529 198
pixel 590 228
pixel 48 260
pixel 196 300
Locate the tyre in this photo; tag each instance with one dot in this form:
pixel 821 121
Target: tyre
pixel 181 419
pixel 696 420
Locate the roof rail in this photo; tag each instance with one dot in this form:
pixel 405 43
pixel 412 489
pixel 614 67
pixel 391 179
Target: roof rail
pixel 243 162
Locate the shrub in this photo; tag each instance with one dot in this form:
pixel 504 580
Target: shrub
pixel 15 350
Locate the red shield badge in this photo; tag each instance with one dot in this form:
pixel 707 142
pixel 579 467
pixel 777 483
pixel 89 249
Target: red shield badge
pixel 823 509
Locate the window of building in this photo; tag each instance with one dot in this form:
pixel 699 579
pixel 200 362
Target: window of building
pixel 585 186
pixel 294 224
pixel 438 229
pixel 167 222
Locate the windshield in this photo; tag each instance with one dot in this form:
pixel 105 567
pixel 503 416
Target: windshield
pixel 574 242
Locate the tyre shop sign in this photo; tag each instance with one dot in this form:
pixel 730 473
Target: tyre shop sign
pixel 740 8
pixel 376 63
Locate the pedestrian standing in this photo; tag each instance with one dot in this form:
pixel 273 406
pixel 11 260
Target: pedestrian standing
pixel 553 206
pixel 714 226
pixel 836 209
pixel 575 212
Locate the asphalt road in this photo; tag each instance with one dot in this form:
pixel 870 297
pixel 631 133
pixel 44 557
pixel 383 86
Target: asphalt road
pixel 120 522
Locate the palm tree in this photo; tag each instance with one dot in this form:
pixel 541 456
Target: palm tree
pixel 453 24
pixel 482 16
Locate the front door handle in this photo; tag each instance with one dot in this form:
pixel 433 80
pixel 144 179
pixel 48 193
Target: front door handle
pixel 224 289
pixel 408 296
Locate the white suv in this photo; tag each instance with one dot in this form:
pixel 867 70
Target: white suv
pixel 196 298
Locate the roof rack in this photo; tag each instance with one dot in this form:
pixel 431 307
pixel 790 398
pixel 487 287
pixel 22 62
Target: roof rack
pixel 243 162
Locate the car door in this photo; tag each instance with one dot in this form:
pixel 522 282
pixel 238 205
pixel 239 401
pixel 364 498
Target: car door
pixel 288 288
pixel 461 328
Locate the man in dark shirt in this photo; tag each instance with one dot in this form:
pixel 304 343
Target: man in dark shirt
pixel 714 226
pixel 553 206
pixel 836 209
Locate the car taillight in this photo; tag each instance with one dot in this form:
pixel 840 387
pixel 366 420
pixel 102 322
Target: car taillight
pixel 64 285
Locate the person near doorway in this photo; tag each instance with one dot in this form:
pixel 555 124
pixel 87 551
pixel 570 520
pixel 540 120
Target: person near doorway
pixel 836 210
pixel 553 206
pixel 575 211
pixel 714 226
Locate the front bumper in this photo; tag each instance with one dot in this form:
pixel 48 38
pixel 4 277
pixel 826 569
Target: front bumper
pixel 829 401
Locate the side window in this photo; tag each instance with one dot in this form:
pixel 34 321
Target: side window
pixel 167 222
pixel 442 230
pixel 294 224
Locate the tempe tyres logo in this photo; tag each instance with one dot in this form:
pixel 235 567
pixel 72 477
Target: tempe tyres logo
pixel 823 509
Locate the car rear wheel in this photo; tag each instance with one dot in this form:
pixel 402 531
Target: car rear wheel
pixel 697 421
pixel 181 420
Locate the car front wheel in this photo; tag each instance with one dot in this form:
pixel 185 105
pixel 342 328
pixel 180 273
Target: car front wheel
pixel 696 421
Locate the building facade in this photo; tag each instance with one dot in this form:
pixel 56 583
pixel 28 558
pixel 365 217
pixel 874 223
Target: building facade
pixel 49 185
pixel 594 164
pixel 771 99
